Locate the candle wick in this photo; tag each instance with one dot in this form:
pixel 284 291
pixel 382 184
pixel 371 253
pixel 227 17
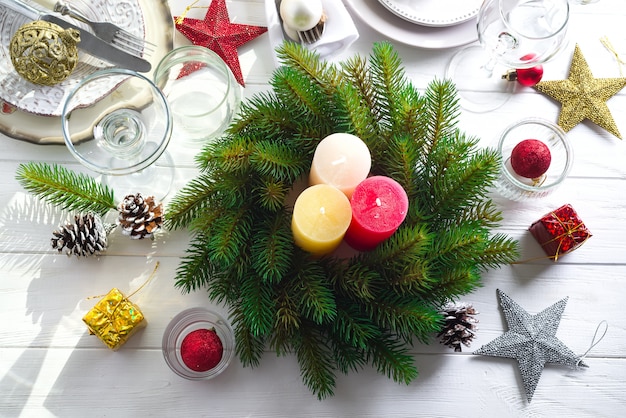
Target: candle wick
pixel 378 202
pixel 323 210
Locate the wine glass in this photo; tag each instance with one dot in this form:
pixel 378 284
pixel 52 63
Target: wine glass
pixel 513 34
pixel 123 133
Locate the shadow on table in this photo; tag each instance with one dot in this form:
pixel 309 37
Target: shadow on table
pixel 17 384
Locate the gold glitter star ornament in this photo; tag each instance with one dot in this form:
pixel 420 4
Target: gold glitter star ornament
pixel 583 97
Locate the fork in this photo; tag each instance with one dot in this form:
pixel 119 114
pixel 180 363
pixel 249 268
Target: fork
pixel 106 31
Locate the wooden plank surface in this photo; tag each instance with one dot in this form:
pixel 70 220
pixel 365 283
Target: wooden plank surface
pixel 51 367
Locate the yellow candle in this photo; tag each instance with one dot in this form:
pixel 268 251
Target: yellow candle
pixel 340 160
pixel 321 216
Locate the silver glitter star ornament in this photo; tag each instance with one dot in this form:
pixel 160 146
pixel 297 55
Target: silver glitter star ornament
pixel 532 341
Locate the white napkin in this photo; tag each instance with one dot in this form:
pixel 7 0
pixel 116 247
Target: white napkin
pixel 339 31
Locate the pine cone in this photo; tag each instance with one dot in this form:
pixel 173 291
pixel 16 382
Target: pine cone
pixel 139 217
pixel 86 236
pixel 459 325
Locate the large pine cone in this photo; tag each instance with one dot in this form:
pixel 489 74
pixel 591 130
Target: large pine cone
pixel 86 236
pixel 139 217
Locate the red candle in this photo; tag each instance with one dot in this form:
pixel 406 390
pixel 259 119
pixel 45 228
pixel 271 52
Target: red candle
pixel 379 205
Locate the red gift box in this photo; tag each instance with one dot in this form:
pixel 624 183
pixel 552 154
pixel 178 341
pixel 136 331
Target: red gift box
pixel 560 231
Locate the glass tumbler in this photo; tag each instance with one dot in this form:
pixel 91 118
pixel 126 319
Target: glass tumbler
pixel 515 187
pixel 202 92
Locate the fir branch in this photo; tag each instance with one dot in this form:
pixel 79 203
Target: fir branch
pixel 316 363
pixel 316 300
pixel 306 101
pixel 411 114
pixel 442 110
pixel 225 284
pixel 288 320
pixel 388 73
pixel 353 116
pixel 465 181
pixel 499 250
pixel 404 316
pixel 462 245
pixel 228 154
pixel 249 347
pixel 271 193
pixel 358 282
pixel 359 79
pixel 262 116
pixel 257 305
pixel 272 250
pixel 454 281
pixel 320 73
pixel 353 327
pixel 64 188
pixel 347 356
pixel 192 273
pixel 391 358
pixel 340 314
pixel 399 161
pixel 486 212
pixel 190 201
pixel 229 236
pixel 278 161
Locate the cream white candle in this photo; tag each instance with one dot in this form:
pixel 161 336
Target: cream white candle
pixel 342 161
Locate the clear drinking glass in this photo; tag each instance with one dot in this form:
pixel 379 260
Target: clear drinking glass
pixel 515 187
pixel 202 92
pixel 123 133
pixel 513 34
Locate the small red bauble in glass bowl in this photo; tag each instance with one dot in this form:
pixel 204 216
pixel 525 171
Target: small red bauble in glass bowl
pixel 198 344
pixel 554 161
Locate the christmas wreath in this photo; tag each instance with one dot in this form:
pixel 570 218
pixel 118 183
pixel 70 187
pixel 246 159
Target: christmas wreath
pixel 340 314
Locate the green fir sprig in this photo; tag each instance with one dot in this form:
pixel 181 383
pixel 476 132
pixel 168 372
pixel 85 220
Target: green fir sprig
pixel 64 188
pixel 338 315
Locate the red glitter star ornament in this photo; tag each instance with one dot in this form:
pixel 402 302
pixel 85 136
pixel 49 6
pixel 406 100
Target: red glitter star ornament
pixel 217 33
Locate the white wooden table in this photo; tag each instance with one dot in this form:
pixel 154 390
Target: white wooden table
pixel 50 366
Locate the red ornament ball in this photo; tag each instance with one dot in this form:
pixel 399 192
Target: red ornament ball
pixel 201 350
pixel 529 76
pixel 526 76
pixel 530 158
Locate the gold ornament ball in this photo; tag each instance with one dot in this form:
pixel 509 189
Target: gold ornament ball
pixel 44 53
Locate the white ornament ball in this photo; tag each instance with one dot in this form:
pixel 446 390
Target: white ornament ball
pixel 301 15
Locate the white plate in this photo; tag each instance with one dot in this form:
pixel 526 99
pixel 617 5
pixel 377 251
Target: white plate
pixel 48 100
pixel 33 127
pixel 382 20
pixel 434 12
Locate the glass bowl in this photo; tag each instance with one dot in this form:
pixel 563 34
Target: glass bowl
pixel 191 320
pixel 515 187
pixel 122 133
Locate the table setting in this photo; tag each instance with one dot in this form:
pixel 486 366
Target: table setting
pixel 312 208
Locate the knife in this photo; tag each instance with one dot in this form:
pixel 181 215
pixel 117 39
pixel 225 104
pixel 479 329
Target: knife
pixel 88 42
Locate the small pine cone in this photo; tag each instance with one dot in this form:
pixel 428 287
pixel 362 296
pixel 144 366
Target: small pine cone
pixel 86 236
pixel 139 217
pixel 459 325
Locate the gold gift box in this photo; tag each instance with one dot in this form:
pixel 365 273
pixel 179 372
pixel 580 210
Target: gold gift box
pixel 114 319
